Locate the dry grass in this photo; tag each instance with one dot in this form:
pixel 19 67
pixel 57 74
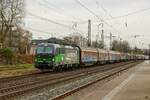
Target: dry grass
pixel 14 70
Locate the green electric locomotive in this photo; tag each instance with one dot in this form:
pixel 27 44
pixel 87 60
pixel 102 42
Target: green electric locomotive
pixel 50 56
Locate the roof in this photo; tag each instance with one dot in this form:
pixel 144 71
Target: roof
pixel 52 40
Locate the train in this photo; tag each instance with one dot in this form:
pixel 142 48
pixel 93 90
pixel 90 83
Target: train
pixel 53 56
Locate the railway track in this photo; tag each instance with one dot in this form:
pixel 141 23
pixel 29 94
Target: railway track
pixel 16 80
pixel 47 79
pixel 103 76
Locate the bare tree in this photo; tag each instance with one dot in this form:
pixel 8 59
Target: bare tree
pixel 122 46
pixel 98 44
pixel 11 14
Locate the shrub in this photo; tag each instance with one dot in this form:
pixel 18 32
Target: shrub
pixel 7 56
pixel 7 53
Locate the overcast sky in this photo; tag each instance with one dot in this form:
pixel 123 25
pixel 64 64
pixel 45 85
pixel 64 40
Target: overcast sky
pixel 69 12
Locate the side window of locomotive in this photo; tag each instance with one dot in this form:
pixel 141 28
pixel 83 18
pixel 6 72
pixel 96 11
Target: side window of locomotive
pixel 57 50
pixel 62 50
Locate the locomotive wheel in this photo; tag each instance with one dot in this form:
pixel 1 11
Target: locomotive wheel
pixel 55 69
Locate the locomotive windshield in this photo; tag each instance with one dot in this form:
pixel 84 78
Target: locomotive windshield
pixel 48 49
pixel 44 49
pixel 39 50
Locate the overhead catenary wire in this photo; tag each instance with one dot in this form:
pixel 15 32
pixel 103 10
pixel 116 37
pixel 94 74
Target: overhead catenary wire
pixel 129 14
pixel 41 31
pixel 77 1
pixel 93 13
pixel 103 8
pixel 58 10
pixel 126 15
pixel 49 20
pixel 70 27
pixel 54 22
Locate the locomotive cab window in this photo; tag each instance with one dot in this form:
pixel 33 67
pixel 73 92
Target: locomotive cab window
pixel 44 49
pixel 40 50
pixel 49 49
